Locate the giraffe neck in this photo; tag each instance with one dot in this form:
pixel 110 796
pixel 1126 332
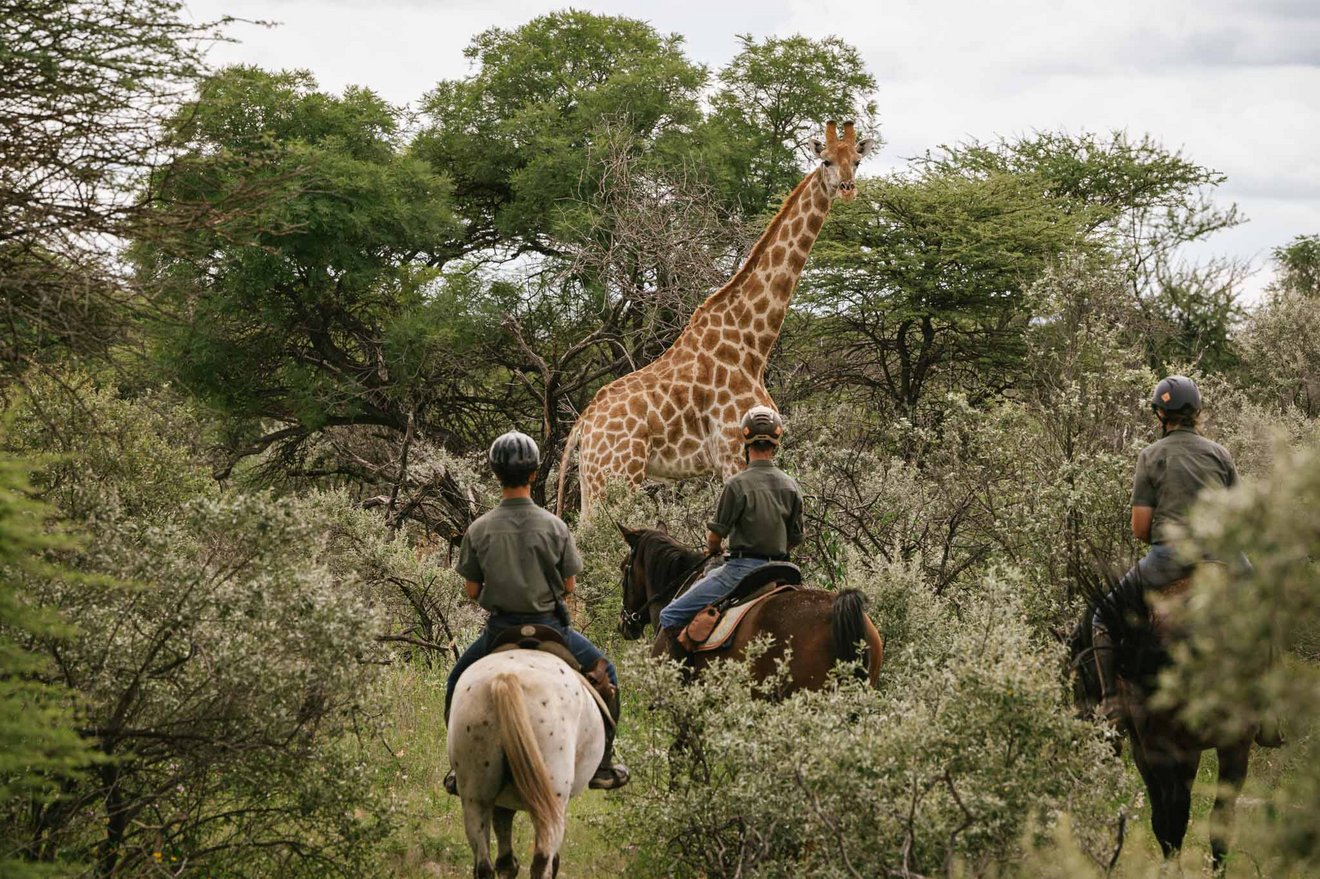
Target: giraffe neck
pixel 743 318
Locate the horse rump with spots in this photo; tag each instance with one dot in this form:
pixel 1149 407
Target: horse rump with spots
pixel 525 735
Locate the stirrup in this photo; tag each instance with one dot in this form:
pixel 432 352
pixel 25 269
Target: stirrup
pixel 610 777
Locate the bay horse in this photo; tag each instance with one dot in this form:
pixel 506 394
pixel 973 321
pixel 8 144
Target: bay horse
pixel 821 627
pixel 1165 750
pixel 524 735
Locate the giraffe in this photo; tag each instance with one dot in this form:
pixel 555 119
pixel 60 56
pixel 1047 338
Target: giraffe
pixel 677 417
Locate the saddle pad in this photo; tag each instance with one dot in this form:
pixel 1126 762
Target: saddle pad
pixel 728 623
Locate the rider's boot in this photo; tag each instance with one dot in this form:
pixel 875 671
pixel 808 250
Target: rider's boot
pixel 1112 707
pixel 610 775
pixel 451 780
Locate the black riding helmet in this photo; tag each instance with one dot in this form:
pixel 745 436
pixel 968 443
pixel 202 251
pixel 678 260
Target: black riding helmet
pixel 762 424
pixel 1177 393
pixel 514 452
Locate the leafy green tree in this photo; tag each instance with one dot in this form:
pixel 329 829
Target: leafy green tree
pixel 925 277
pixel 316 309
pixel 921 283
pixel 40 749
pixel 514 135
pixel 774 96
pixel 1281 339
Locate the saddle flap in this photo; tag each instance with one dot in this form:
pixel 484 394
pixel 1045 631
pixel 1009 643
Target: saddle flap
pixel 771 573
pixel 535 637
pixel 722 626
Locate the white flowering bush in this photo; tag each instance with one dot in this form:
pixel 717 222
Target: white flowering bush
pixel 969 742
pixel 223 650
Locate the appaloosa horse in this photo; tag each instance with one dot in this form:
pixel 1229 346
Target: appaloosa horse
pixel 525 734
pixel 1166 751
pixel 821 627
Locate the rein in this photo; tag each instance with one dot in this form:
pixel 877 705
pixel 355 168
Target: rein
pixel 639 616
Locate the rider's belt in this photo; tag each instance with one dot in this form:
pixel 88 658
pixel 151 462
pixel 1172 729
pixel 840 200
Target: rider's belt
pixel 739 554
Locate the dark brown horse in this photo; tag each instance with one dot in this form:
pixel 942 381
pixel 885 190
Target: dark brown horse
pixel 1166 751
pixel 821 627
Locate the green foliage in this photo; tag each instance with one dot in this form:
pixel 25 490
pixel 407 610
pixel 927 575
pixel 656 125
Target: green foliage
pixel 84 89
pixel 293 311
pixel 967 743
pixel 220 676
pixel 774 96
pixel 1255 635
pixel 515 134
pixel 41 751
pixel 1281 339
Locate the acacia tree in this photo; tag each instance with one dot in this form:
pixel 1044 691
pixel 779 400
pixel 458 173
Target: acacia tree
pixel 83 89
pixel 315 310
pixel 515 135
pixel 925 277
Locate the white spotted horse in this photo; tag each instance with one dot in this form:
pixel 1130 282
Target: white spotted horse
pixel 526 733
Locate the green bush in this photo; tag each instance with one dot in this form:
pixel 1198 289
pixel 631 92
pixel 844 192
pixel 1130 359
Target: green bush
pixel 968 743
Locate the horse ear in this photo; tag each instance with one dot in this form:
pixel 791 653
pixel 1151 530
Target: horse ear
pixel 631 535
pixel 662 527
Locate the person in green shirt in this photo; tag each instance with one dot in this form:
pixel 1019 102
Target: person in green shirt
pixel 1170 474
pixel 759 511
pixel 518 561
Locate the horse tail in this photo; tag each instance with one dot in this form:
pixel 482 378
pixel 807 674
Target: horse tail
pixel 849 628
pixel 531 778
pixel 569 445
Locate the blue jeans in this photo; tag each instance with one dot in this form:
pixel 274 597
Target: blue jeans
pixel 586 653
pixel 708 590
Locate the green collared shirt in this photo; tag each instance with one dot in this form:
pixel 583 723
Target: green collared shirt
pixel 521 554
pixel 1172 471
pixel 760 511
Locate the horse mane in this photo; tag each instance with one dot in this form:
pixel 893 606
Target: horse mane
pixel 1122 607
pixel 665 561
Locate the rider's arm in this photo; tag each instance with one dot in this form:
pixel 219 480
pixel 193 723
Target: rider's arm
pixel 1141 519
pixel 570 583
pixel 727 512
pixel 473 588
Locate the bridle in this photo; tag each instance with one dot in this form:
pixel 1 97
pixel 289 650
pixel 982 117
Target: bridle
pixel 637 619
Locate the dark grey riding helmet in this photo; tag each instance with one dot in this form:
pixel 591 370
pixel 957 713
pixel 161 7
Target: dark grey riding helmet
pixel 761 423
pixel 514 451
pixel 1177 393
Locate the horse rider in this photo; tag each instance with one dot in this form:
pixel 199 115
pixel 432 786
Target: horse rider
pixel 759 511
pixel 519 561
pixel 1171 473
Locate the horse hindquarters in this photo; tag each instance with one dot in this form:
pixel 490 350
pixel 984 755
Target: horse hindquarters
pixel 531 776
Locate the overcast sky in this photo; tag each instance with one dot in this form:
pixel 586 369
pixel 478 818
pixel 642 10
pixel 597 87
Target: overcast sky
pixel 1235 84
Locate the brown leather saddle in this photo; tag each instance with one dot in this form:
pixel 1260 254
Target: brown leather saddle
pixel 751 589
pixel 546 639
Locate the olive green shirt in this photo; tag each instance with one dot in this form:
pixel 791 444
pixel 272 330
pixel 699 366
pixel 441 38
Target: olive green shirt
pixel 1172 471
pixel 760 511
pixel 520 554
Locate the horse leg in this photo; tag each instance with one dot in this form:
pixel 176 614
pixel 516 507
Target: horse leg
pixel 545 857
pixel 476 822
pixel 506 864
pixel 1161 774
pixel 1232 773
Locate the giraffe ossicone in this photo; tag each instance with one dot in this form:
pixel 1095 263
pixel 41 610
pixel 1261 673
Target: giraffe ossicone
pixel 677 417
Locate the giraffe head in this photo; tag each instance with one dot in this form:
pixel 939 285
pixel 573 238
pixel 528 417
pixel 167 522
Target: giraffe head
pixel 839 158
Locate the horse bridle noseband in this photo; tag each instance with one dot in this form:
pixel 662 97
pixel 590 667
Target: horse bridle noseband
pixel 635 618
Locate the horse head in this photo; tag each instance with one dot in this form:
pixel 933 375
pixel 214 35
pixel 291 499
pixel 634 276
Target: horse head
pixel 633 609
pixel 655 569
